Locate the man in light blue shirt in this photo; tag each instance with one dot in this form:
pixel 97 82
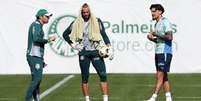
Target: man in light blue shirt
pixel 162 36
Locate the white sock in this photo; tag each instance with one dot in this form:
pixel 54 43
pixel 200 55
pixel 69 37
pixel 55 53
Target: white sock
pixel 168 94
pixel 87 98
pixel 105 97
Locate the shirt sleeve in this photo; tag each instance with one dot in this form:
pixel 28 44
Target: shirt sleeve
pixel 66 34
pixel 37 34
pixel 103 33
pixel 167 26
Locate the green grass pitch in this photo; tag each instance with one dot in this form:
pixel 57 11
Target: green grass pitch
pixel 122 87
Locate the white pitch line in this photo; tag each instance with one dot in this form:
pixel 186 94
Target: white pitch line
pixel 188 97
pixel 57 85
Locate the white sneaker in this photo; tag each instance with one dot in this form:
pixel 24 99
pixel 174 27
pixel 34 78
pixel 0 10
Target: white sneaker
pixel 105 97
pixel 87 98
pixel 151 99
pixel 168 98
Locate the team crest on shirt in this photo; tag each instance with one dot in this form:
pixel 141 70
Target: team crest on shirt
pixel 81 57
pixel 37 66
pixel 57 27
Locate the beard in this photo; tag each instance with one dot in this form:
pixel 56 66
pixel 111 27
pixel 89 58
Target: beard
pixel 153 18
pixel 86 18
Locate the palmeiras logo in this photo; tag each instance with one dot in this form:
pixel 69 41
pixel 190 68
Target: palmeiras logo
pixel 57 27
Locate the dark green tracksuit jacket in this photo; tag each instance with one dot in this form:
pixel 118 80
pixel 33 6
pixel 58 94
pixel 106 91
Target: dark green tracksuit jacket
pixel 36 42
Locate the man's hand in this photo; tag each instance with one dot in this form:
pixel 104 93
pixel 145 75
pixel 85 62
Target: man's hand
pixel 167 37
pixel 52 38
pixel 110 52
pixel 77 46
pixel 151 36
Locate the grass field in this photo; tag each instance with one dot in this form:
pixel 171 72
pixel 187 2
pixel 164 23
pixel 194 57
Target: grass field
pixel 123 87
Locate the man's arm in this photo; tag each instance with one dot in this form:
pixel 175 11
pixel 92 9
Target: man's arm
pixel 167 37
pixel 37 36
pixel 168 31
pixel 106 40
pixel 66 34
pixel 151 37
pixel 103 33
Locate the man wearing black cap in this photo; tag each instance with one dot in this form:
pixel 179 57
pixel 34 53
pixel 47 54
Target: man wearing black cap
pixel 35 52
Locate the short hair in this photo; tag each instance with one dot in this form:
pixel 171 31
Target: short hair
pixel 85 5
pixel 157 7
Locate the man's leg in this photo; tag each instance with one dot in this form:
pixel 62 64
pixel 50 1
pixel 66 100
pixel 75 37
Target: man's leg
pixel 166 83
pixel 36 92
pixel 36 71
pixel 99 65
pixel 160 64
pixel 159 81
pixel 104 89
pixel 166 86
pixel 84 66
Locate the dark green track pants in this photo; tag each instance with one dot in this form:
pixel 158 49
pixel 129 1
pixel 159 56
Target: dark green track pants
pixel 85 58
pixel 36 65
